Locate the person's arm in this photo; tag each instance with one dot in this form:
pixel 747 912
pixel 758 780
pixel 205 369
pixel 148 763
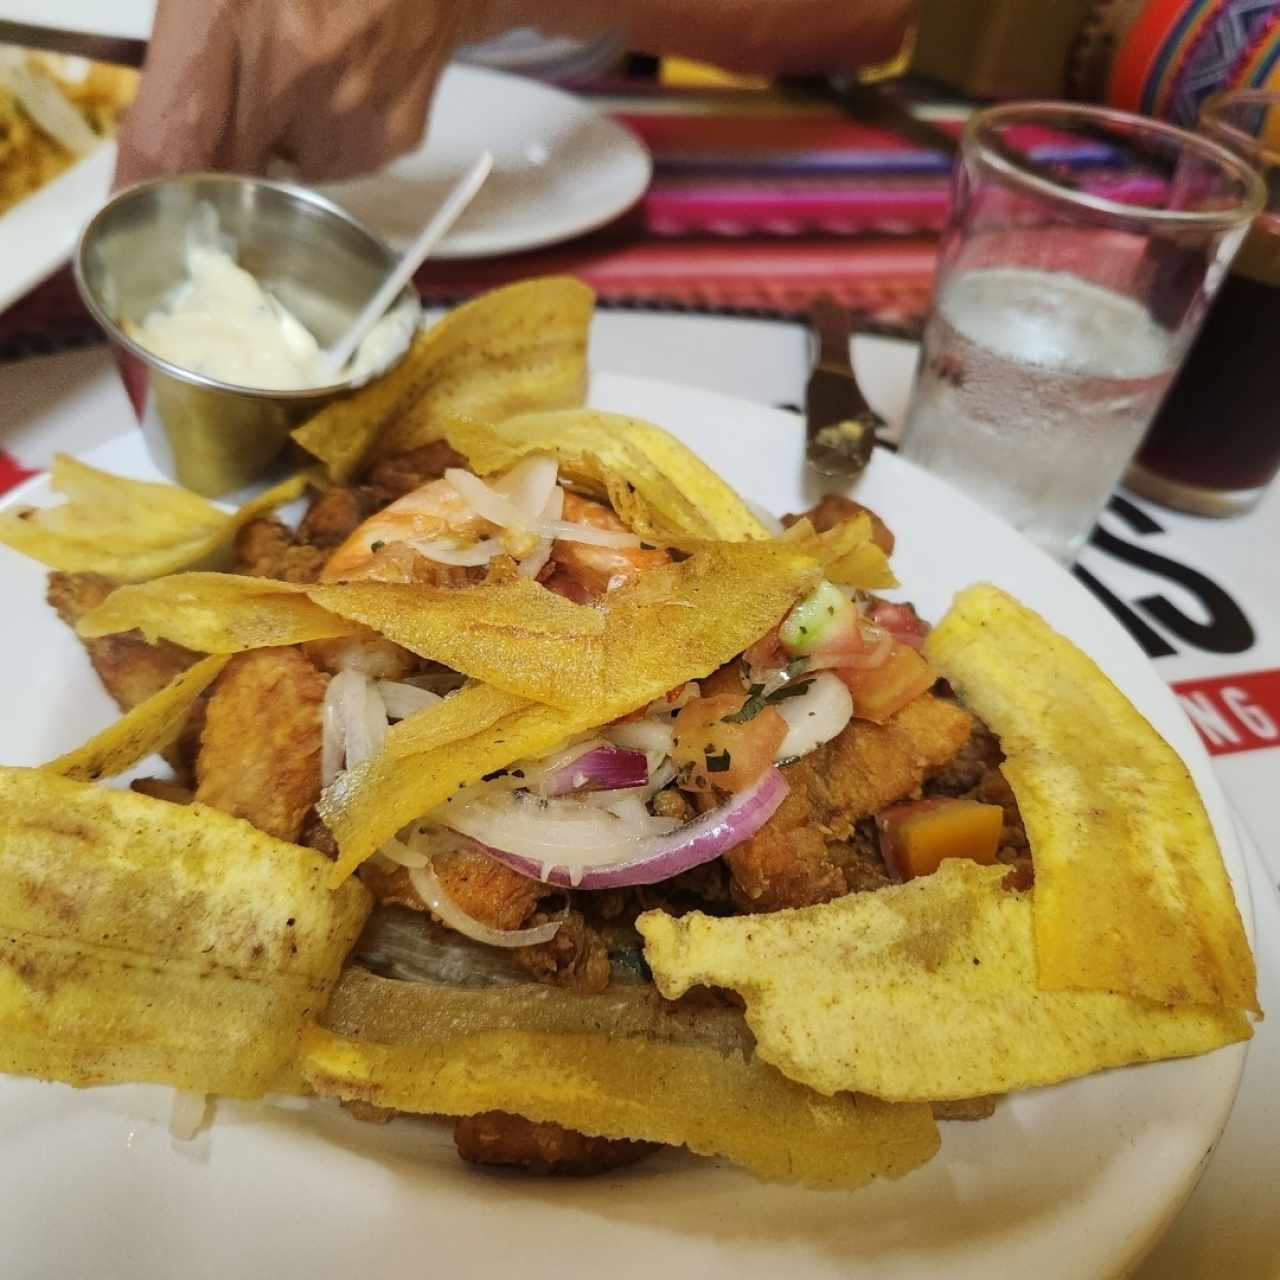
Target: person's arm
pixel 342 88
pixel 768 37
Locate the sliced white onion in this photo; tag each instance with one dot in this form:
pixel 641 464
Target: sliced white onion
pixel 536 560
pixel 530 485
pixel 562 830
pixel 659 776
pixel 398 852
pixel 643 735
pixel 684 695
pixel 333 746
pixel 493 506
pixel 498 509
pixel 543 845
pixel 445 551
pixel 363 713
pixel 188 1115
pixel 815 716
pixel 428 887
pixel 403 700
pixel 565 531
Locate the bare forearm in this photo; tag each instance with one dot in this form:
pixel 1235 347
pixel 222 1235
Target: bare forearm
pixel 766 36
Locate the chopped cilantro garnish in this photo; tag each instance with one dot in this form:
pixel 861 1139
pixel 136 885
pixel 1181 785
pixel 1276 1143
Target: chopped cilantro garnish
pixel 720 763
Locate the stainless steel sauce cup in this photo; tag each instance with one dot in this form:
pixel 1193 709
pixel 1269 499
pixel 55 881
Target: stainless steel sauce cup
pixel 321 263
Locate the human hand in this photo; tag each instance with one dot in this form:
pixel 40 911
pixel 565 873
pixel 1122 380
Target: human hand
pixel 334 89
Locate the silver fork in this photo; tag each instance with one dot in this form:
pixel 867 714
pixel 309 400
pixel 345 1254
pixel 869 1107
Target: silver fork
pixel 840 425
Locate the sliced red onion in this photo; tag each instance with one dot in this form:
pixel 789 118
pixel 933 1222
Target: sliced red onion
pixel 603 768
pixel 403 700
pixel 428 887
pixel 629 860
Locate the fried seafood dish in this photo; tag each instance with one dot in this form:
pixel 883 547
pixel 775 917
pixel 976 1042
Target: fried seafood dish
pixel 526 778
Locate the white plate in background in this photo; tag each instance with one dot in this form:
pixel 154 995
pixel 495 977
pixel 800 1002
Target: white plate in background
pixel 1064 1182
pixel 560 168
pixel 40 232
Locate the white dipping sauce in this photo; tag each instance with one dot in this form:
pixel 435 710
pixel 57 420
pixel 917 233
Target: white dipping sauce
pixel 221 323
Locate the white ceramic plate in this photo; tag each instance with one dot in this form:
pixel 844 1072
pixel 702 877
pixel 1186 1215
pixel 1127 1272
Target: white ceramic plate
pixel 560 168
pixel 39 233
pixel 1071 1181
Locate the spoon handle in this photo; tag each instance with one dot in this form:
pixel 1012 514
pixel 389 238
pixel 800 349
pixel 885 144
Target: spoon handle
pixel 437 228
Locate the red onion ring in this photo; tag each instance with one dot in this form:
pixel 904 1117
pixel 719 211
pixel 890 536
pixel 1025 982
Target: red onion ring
pixel 603 768
pixel 654 858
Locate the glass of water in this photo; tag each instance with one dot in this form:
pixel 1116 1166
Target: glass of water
pixel 1082 251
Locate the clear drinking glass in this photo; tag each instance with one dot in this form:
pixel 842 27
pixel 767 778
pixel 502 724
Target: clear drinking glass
pixel 1082 250
pixel 1215 445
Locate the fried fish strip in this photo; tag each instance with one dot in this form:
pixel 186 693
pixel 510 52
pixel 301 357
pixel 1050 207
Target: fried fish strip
pixel 130 669
pixel 788 862
pixel 260 751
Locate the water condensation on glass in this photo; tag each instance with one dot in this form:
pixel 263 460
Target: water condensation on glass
pixel 1034 389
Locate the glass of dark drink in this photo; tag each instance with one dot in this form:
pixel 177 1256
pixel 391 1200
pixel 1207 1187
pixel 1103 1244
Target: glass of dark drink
pixel 1215 444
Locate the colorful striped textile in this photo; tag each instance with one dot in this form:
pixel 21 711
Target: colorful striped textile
pixel 1180 51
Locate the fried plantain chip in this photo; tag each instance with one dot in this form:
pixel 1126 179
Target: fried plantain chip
pixel 151 727
pixel 517 348
pixel 920 991
pixel 340 434
pixel 144 941
pixel 847 552
pixel 672 624
pixel 130 529
pixel 1131 893
pixel 620 1065
pixel 216 613
pixel 678 498
pixel 516 636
